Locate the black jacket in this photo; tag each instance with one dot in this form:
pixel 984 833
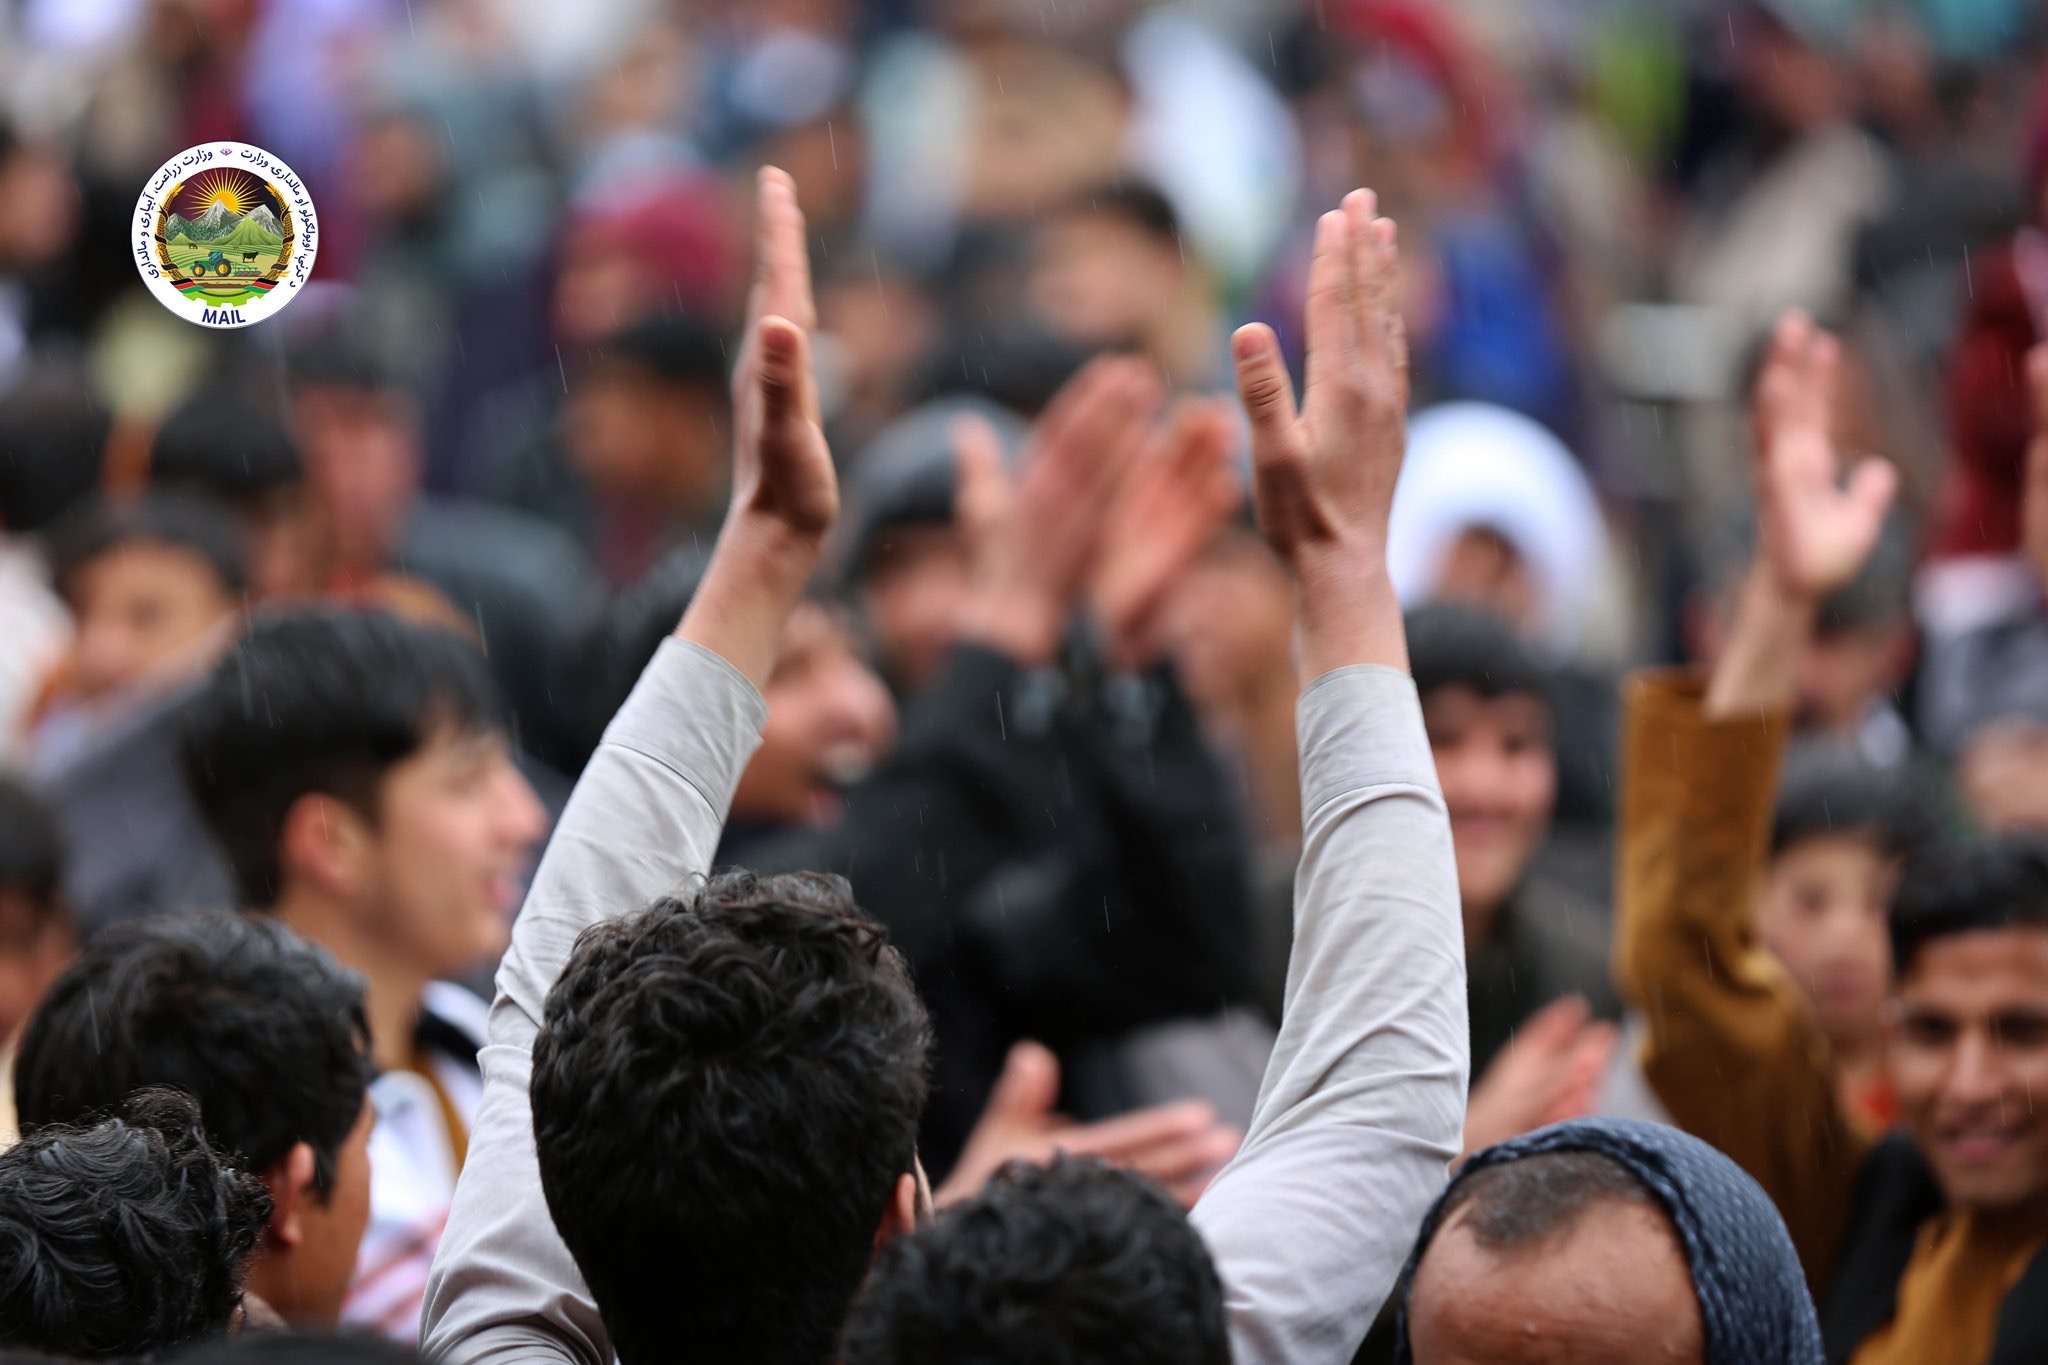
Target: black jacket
pixel 1058 857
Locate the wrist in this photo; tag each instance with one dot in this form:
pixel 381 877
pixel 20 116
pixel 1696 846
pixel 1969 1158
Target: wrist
pixel 1347 613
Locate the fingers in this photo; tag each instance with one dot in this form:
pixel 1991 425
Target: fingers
pixel 981 488
pixel 1555 1025
pixel 1029 1086
pixel 1263 387
pixel 782 262
pixel 1370 287
pixel 1871 487
pixel 1118 1139
pixel 1331 317
pixel 787 394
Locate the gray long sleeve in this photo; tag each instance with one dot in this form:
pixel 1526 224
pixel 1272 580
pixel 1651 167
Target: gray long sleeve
pixel 645 817
pixel 1363 1104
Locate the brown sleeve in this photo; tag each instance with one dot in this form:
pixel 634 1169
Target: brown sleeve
pixel 1731 1048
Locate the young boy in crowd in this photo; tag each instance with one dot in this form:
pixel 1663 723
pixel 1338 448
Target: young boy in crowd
pixel 353 768
pixel 1841 835
pixel 268 1035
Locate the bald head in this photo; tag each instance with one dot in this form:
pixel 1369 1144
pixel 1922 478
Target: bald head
pixel 1555 1258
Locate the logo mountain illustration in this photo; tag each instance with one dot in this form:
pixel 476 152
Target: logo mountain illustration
pixel 211 225
pixel 249 232
pixel 262 217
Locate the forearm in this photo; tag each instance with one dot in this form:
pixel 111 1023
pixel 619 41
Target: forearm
pixel 1366 1088
pixel 1346 611
pixel 1757 673
pixel 1731 1048
pixel 756 576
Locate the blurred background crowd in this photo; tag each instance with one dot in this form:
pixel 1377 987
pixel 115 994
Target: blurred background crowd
pixel 502 407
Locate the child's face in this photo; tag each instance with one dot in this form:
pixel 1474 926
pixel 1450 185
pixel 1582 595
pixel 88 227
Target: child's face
pixel 1823 913
pixel 145 612
pixel 1498 769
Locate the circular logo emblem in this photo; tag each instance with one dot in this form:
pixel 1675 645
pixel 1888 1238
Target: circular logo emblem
pixel 225 234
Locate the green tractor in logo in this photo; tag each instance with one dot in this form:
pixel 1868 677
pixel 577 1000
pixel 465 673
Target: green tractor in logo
pixel 216 264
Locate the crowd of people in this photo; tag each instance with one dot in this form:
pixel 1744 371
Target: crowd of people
pixel 890 682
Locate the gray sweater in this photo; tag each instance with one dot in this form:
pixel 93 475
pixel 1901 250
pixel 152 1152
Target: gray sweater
pixel 1363 1102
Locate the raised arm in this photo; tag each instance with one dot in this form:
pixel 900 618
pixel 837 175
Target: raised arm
pixel 645 816
pixel 1363 1103
pixel 1732 1049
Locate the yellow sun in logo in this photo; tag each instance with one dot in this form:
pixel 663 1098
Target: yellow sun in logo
pixel 218 187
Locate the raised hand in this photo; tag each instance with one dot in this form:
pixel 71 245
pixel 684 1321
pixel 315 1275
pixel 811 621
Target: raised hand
pixel 1178 1145
pixel 1180 491
pixel 1324 476
pixel 1815 532
pixel 1033 542
pixel 785 494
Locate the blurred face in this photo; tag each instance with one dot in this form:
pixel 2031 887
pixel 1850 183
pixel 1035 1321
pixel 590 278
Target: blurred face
pixel 1484 569
pixel 324 1262
pixel 1499 775
pixel 1823 913
pixel 1230 625
pixel 829 720
pixel 914 594
pixel 146 612
pixel 455 831
pixel 1969 1056
pixel 635 438
pixel 1999 774
pixel 362 468
pixel 35 945
pixel 1102 281
pixel 1843 675
pixel 1612 1289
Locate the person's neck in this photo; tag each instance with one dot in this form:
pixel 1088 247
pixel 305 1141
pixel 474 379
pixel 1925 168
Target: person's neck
pixel 395 987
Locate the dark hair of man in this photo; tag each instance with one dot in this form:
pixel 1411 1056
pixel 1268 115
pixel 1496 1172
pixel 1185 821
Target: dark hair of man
pixel 1142 205
pixel 53 438
pixel 32 849
pixel 1075 1263
pixel 726 1088
pixel 676 350
pixel 183 521
pixel 126 1238
pixel 1994 883
pixel 298 1348
pixel 1452 644
pixel 263 1029
pixel 219 443
pixel 321 700
pixel 1518 1205
pixel 1831 789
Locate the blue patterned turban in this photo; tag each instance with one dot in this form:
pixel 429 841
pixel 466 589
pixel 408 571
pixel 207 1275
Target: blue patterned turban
pixel 1753 1299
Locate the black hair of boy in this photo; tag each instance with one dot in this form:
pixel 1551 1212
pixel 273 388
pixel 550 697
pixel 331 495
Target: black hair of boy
pixel 1454 644
pixel 726 1091
pixel 221 444
pixel 1829 788
pixel 263 1029
pixel 298 1348
pixel 126 1238
pixel 321 700
pixel 184 521
pixel 1075 1263
pixel 53 438
pixel 1997 882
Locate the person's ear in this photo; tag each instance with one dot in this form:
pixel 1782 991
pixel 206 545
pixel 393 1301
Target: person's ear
pixel 900 1214
pixel 326 844
pixel 290 1182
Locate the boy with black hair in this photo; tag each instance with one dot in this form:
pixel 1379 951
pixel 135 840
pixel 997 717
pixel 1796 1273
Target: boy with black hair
pixel 1072 1263
pixel 1842 832
pixel 129 1237
pixel 354 770
pixel 1926 1244
pixel 267 1034
pixel 220 444
pixel 1365 1091
pixel 156 587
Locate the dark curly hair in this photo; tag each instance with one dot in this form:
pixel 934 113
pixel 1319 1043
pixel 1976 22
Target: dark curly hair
pixel 126 1238
pixel 1075 1263
pixel 726 1088
pixel 263 1029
